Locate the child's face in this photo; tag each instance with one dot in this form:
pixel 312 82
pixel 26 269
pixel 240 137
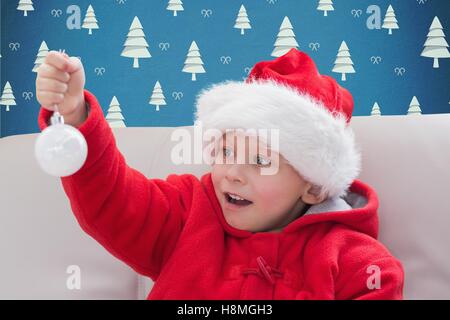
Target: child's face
pixel 273 200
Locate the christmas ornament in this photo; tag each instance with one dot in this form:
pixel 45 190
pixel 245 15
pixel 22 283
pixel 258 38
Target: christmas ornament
pixel 60 149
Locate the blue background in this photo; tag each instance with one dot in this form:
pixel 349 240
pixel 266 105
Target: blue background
pixel 216 37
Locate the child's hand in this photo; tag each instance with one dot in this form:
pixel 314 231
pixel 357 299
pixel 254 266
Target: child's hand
pixel 60 80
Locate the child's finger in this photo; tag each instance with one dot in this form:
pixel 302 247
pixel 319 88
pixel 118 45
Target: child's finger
pixel 52 85
pixel 48 98
pixel 73 65
pixel 57 60
pixel 49 71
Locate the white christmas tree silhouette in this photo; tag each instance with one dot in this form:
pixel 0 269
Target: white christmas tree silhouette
pixel 157 99
pixel 136 46
pixel 390 22
pixel 114 116
pixel 242 21
pixel 42 53
pixel 7 99
pixel 343 63
pixel 285 39
pixel 25 6
pixel 90 21
pixel 375 110
pixel 193 63
pixel 175 5
pixel 325 6
pixel 414 107
pixel 436 45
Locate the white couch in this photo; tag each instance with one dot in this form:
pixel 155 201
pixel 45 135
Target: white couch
pixel 405 158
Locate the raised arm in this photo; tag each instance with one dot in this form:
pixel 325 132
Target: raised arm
pixel 135 218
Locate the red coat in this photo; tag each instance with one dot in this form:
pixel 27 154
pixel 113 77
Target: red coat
pixel 173 231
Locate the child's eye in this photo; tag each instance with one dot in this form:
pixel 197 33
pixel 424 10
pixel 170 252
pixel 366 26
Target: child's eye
pixel 226 152
pixel 260 160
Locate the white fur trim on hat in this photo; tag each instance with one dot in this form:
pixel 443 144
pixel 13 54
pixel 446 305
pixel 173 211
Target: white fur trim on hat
pixel 318 144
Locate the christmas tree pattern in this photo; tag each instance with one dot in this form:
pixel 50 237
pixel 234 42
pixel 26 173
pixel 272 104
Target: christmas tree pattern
pixel 25 6
pixel 175 5
pixel 114 116
pixel 136 46
pixel 390 22
pixel 90 21
pixel 157 99
pixel 242 21
pixel 343 63
pixel 436 46
pixel 42 53
pixel 285 39
pixel 7 99
pixel 414 107
pixel 193 63
pixel 375 110
pixel 325 6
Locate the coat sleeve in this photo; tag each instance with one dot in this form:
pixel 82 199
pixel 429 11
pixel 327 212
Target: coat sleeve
pixel 137 219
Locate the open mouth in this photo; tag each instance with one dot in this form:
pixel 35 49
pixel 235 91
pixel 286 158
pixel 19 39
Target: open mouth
pixel 237 200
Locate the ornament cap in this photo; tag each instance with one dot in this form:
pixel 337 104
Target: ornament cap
pixel 57 118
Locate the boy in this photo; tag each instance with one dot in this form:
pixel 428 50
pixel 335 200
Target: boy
pixel 307 231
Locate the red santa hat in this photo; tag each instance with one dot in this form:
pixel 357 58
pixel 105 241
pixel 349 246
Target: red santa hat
pixel 311 111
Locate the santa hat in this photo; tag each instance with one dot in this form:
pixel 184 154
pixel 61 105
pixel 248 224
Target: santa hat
pixel 311 111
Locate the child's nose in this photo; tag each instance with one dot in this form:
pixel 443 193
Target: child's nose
pixel 235 174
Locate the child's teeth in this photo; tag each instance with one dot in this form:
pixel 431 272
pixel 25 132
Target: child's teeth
pixel 235 197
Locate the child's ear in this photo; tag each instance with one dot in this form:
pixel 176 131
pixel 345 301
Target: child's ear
pixel 312 194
